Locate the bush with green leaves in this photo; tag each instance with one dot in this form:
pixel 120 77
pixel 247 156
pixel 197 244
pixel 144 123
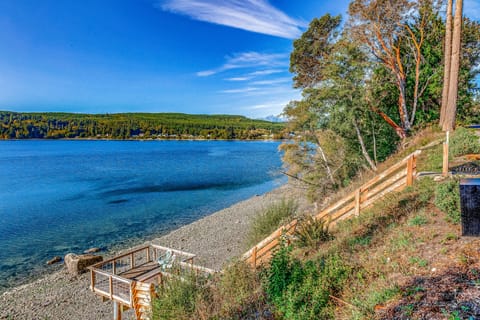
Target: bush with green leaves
pixel 302 291
pixel 447 199
pixel 176 298
pixel 270 219
pixel 464 141
pixel 312 232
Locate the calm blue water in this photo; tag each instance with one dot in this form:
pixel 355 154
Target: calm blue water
pixel 66 196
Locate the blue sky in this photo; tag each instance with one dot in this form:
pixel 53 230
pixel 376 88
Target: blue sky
pixel 192 56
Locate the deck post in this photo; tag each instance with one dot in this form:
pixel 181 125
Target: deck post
pixel 110 286
pixel 92 279
pixel 117 311
pixel 254 257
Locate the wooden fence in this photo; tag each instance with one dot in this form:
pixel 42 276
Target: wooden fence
pixel 393 179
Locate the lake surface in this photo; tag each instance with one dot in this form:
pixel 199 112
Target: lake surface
pixel 64 196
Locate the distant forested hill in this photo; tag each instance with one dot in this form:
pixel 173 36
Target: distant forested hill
pixel 14 125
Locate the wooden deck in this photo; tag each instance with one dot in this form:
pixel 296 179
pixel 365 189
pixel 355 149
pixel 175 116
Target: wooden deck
pixel 129 279
pixel 143 272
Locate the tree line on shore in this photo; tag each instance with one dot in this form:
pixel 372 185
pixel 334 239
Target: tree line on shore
pixel 14 125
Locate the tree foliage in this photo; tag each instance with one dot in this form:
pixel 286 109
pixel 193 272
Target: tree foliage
pixel 369 84
pixel 133 126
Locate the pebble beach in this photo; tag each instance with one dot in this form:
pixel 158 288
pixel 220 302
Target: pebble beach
pixel 216 239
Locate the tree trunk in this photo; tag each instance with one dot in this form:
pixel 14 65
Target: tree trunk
pixel 327 166
pixel 402 103
pixel 325 160
pixel 448 61
pixel 451 112
pixel 362 144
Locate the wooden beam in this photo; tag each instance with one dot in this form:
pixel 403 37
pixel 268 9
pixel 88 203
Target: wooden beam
pixel 254 257
pixel 357 202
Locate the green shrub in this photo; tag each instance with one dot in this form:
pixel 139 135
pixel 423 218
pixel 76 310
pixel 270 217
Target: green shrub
pixel 302 290
pixel 236 293
pixel 269 220
pixel 176 299
pixel 312 232
pixel 447 199
pixel 464 141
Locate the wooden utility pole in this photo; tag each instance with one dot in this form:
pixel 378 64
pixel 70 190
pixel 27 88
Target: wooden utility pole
pixel 448 61
pixel 451 111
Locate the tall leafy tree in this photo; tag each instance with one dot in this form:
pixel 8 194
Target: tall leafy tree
pixel 383 27
pixel 311 53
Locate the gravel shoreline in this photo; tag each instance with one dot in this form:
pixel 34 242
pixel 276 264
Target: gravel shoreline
pixel 215 239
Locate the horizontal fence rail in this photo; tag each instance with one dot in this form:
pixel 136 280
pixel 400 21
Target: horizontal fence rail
pixel 393 179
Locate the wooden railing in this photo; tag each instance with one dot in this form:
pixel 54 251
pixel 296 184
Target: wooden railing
pixel 109 278
pixel 263 251
pixel 112 287
pixel 393 179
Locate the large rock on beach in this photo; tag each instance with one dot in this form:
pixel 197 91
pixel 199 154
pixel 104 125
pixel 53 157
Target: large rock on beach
pixel 77 264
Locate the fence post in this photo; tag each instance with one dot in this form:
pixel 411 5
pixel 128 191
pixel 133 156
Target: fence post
pixel 254 257
pixel 357 201
pixel 410 164
pixel 445 155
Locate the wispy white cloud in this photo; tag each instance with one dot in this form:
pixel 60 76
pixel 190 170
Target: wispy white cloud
pixel 265 72
pixel 206 73
pixel 271 82
pixel 252 15
pixel 239 79
pixel 241 90
pixel 251 75
pixel 249 59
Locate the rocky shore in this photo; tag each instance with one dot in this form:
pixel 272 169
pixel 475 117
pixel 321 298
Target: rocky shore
pixel 215 239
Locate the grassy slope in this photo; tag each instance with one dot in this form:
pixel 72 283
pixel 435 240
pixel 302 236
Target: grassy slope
pixel 407 260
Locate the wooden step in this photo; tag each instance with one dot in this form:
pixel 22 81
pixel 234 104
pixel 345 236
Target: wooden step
pixel 143 295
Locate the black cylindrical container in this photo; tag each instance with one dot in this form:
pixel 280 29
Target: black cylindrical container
pixel 470 206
